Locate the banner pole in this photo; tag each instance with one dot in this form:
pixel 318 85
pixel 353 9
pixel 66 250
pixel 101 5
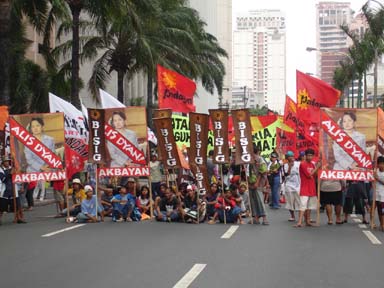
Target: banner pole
pixel 15 218
pixel 249 194
pixel 222 190
pixel 67 196
pixel 150 196
pixel 96 190
pixel 318 203
pixel 373 207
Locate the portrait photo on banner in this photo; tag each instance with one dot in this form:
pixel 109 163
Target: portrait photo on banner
pixel 131 123
pixel 47 129
pixel 360 125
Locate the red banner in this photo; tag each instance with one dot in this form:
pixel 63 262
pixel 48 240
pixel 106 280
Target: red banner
pixel 286 141
pixel 73 160
pixel 36 146
pixel 39 176
pixel 127 171
pixel 346 175
pixel 175 91
pixel 137 156
pixel 338 135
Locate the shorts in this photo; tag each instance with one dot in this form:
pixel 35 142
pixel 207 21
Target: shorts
pixel 308 203
pixel 380 208
pixel 331 198
pixel 58 195
pixel 6 205
pixel 293 201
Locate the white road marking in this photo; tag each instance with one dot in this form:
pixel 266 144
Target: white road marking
pixel 372 237
pixel 357 220
pixel 363 226
pixel 62 230
pixel 353 215
pixel 190 276
pixel 230 232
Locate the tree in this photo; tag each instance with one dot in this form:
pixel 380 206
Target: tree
pixel 11 29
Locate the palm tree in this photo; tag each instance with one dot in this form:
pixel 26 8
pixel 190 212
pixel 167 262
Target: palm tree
pixel 11 30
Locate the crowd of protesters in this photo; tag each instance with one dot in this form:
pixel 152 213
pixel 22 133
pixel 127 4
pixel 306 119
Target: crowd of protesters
pixel 237 194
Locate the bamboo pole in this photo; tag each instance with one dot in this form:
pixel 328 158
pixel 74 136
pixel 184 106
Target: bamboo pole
pixel 318 203
pixel 15 218
pixel 66 187
pixel 96 191
pixel 222 190
pixel 151 201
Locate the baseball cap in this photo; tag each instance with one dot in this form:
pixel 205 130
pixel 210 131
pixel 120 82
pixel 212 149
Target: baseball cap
pixel 274 155
pixel 76 181
pixel 131 179
pixel 289 154
pixel 189 187
pixel 88 188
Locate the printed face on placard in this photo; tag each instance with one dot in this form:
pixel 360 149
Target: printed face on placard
pixel 350 140
pixel 126 137
pixel 33 138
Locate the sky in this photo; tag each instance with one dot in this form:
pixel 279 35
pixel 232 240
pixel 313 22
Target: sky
pixel 300 28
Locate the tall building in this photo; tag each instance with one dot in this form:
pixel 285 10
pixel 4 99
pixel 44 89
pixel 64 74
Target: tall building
pixel 217 14
pixel 331 42
pixel 259 57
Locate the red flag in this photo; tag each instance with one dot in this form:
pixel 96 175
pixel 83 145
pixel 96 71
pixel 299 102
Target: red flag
pixel 74 161
pixel 175 91
pixel 286 141
pixel 312 94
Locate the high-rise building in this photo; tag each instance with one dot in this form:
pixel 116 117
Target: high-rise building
pixel 259 57
pixel 331 42
pixel 217 14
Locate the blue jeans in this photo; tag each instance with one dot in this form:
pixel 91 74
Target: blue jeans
pixel 230 215
pixel 121 210
pixel 275 192
pixel 174 216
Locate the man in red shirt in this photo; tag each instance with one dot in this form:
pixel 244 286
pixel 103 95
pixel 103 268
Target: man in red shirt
pixel 308 195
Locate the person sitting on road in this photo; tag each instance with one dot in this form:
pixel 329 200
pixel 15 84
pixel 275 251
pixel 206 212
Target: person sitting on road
pixel 191 206
pixel 143 202
pixel 168 208
pixel 211 199
pixel 123 204
pixel 227 205
pixel 89 212
pixel 77 194
pixel 244 196
pixel 106 202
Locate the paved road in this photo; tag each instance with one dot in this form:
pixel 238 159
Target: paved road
pixel 152 254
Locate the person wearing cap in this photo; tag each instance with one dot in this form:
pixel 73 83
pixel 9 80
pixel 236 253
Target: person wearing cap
pixel 308 194
pixel 132 187
pixel 77 195
pixel 7 194
pixel 89 208
pixel 191 204
pixel 292 184
pixel 274 169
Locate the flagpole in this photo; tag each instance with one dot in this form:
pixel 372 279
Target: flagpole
pixel 150 182
pixel 374 182
pixel 222 190
pixel 318 203
pixel 96 190
pixel 66 195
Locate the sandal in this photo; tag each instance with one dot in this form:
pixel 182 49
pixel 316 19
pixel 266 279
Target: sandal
pixel 265 223
pixel 291 219
pixel 298 225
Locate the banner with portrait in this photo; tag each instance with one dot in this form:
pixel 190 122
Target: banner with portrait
pixel 243 135
pixel 126 136
pixel 37 147
pixel 219 119
pixel 348 143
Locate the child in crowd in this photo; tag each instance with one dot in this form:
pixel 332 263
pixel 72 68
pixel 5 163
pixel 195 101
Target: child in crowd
pixel 123 204
pixel 143 202
pixel 243 194
pixel 106 202
pixel 227 205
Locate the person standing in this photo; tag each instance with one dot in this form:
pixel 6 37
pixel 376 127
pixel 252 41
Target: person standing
pixel 156 175
pixel 379 176
pixel 7 194
pixel 331 193
pixel 308 195
pixel 274 169
pixel 292 184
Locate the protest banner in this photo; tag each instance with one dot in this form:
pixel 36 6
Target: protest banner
pixel 96 153
pixel 175 91
pixel 198 150
pixel 243 134
pixel 76 134
pixel 219 118
pixel 162 113
pixel 37 147
pixel 285 141
pixel 380 131
pixel 348 143
pixel 167 144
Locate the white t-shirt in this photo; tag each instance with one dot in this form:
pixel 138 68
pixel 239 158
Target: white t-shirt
pixel 292 181
pixel 380 187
